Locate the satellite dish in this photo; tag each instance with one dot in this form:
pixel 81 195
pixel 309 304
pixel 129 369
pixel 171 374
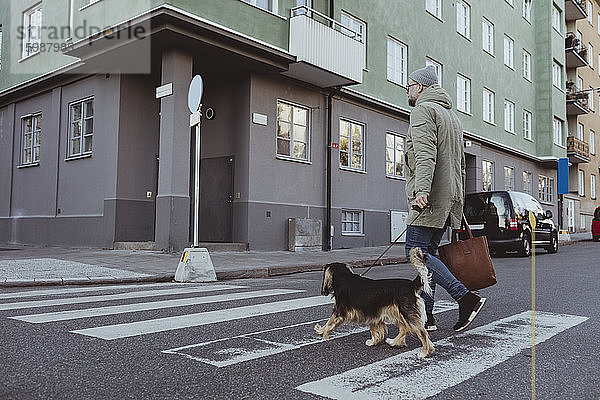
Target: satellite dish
pixel 195 93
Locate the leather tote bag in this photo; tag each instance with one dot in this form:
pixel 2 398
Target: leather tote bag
pixel 469 260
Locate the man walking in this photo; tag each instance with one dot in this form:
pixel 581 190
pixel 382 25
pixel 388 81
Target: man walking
pixel 435 176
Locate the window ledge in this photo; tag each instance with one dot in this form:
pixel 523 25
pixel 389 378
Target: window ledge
pixel 488 53
pixel 353 170
pixel 402 85
pixel 34 164
pixel 352 234
pixel 397 178
pixel 79 157
pixel 465 112
pixel 507 131
pixel 89 5
pixel 490 123
pixel 28 57
pixel 434 16
pixel 528 139
pixel 465 37
pixel 287 158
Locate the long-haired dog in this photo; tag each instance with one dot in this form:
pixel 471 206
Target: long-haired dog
pixel 372 302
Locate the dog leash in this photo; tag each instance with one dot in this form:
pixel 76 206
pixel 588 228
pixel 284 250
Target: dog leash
pixel 414 207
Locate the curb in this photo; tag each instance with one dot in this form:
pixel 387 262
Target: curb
pixel 258 272
pixel 86 281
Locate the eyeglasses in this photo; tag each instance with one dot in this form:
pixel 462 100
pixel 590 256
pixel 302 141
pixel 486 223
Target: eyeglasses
pixel 412 84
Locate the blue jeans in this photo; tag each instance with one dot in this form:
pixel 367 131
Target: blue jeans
pixel 428 239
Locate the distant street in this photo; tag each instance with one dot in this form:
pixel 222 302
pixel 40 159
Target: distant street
pixel 254 339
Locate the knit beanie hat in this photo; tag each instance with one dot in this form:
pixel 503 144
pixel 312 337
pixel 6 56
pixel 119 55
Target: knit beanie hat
pixel 425 76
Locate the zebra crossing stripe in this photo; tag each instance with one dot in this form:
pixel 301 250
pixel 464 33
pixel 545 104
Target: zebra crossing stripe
pixel 406 376
pixel 146 327
pixel 251 346
pixel 154 305
pixel 120 296
pixel 73 290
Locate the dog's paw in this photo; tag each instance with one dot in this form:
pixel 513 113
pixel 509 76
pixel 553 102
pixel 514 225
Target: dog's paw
pixel 319 329
pixel 421 354
pixel 392 343
pixel 371 342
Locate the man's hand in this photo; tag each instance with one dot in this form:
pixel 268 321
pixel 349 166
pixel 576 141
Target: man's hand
pixel 422 202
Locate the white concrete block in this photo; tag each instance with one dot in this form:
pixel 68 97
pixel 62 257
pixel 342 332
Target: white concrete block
pixel 195 265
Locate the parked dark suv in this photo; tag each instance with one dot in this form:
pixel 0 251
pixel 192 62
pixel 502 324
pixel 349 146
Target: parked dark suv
pixel 503 216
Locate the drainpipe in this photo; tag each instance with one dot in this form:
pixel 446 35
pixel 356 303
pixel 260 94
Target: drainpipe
pixel 332 93
pixel 329 139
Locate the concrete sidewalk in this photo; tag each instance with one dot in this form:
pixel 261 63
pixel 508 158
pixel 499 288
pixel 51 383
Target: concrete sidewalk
pixel 28 265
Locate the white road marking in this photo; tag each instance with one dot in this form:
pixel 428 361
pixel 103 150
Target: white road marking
pixel 73 290
pixel 153 305
pixel 406 376
pixel 119 331
pixel 120 296
pixel 250 346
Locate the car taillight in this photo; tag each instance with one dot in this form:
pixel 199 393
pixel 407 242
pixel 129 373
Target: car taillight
pixel 513 224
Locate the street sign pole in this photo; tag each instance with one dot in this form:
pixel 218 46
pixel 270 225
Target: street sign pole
pixel 195 264
pixel 197 183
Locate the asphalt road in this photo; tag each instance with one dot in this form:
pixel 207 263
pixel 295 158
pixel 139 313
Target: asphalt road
pixel 241 340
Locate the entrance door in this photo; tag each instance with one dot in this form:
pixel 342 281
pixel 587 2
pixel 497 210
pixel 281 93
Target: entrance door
pixel 216 200
pixel 571 215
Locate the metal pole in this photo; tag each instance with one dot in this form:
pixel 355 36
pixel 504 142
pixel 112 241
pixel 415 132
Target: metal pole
pixel 197 184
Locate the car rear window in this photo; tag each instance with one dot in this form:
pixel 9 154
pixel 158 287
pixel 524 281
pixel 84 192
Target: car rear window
pixel 482 205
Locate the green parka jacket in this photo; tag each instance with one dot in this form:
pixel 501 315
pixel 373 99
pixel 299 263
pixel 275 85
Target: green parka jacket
pixel 435 160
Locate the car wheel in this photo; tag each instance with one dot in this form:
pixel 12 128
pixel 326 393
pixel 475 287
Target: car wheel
pixel 525 249
pixel 553 248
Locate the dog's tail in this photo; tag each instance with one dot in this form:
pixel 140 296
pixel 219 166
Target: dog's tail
pixel 417 259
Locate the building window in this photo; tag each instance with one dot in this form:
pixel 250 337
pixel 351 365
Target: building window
pixel 581 183
pixel 269 5
pixel 591 99
pixel 487 175
pixel 511 2
pixel 580 130
pixel 526 65
pixel 527 119
pixel 509 178
pixel 396 61
pixel 463 18
pixel 592 142
pixel 599 24
pixel 463 94
pixel 434 7
pixel 556 18
pixel 557 75
pixel 81 127
pixel 545 191
pixel 527 10
pixel 590 11
pixel 488 36
pixel 292 131
pixel 352 145
pixel 590 55
pixel 558 131
pixel 509 116
pixel 488 106
pixel 394 155
pixel 593 186
pixel 32 30
pixel 357 26
pixel 352 222
pixel 527 183
pixel 509 52
pixel 438 68
pixel 31 139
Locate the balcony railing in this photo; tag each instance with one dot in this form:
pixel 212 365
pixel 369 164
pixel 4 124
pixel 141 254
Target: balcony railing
pixel 574 10
pixel 575 52
pixel 578 151
pixel 327 53
pixel 577 100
